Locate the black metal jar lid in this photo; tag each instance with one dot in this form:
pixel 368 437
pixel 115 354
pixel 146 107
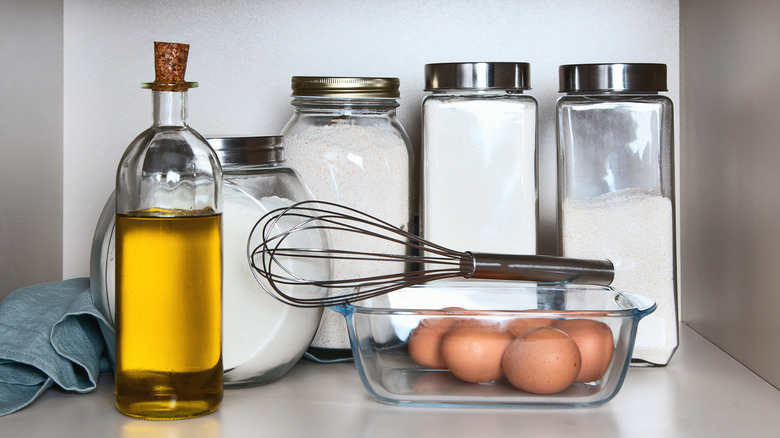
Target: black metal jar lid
pixel 233 151
pixel 478 76
pixel 599 78
pixel 347 87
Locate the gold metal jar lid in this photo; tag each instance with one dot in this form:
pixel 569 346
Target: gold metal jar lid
pixel 354 87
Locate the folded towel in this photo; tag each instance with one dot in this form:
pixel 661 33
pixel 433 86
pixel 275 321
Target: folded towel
pixel 51 334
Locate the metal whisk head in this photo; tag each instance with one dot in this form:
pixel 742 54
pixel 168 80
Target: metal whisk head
pixel 369 257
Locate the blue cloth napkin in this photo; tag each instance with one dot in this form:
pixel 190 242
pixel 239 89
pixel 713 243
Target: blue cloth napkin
pixel 51 334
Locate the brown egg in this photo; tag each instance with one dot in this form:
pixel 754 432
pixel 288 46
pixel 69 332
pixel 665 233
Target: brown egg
pixel 425 340
pixel 472 350
pixel 594 339
pixel 542 361
pixel 520 326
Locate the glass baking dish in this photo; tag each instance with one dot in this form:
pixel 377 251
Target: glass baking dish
pixel 381 332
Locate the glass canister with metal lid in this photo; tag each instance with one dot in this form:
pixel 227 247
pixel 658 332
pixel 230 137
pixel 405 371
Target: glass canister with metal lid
pixel 479 149
pixel 616 186
pixel 262 337
pixel 349 147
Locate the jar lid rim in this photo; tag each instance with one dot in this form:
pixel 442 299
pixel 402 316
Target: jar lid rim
pixel 249 150
pixel 616 77
pixel 477 76
pixel 345 86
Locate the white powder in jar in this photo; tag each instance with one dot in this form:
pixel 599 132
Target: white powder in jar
pixel 262 337
pixel 633 229
pixel 483 150
pixel 363 167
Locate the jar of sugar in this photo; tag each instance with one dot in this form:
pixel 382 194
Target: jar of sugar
pixel 616 187
pixel 479 147
pixel 349 147
pixel 262 338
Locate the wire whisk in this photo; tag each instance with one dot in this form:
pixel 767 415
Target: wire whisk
pixel 369 257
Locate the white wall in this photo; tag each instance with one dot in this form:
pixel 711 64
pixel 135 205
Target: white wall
pixel 30 143
pixel 243 53
pixel 730 167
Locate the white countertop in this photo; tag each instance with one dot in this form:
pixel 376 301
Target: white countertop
pixel 702 393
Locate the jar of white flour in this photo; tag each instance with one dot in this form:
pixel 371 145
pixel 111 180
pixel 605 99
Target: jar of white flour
pixel 479 152
pixel 347 144
pixel 616 187
pixel 263 338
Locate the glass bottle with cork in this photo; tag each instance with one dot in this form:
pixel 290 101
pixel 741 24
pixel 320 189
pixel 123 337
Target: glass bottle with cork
pixel 168 259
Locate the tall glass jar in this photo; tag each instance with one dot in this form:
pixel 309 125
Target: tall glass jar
pixel 616 186
pixel 168 259
pixel 479 181
pixel 348 146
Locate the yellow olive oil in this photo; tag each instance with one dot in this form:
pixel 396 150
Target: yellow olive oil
pixel 169 315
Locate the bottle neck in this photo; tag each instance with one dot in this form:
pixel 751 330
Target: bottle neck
pixel 169 108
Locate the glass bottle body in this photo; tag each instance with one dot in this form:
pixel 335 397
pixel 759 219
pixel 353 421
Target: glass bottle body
pixel 616 201
pixel 168 269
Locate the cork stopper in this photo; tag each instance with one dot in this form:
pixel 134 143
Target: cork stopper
pixel 170 64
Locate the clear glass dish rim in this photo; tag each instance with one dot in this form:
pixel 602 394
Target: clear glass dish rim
pixel 641 306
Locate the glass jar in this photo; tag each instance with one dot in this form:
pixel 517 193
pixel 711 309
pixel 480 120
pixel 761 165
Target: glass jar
pixel 616 186
pixel 262 337
pixel 348 146
pixel 479 152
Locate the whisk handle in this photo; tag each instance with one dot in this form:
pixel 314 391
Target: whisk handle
pixel 537 268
